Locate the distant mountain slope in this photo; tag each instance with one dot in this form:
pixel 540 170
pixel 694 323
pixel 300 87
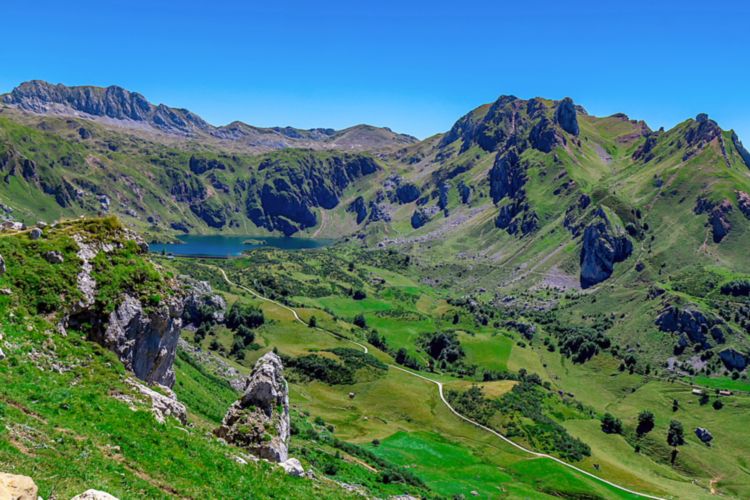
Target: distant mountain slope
pixel 116 106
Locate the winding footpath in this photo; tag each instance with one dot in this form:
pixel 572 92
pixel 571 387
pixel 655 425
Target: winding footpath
pixel 442 397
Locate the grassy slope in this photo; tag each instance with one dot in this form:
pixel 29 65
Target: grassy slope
pixel 63 425
pixel 398 405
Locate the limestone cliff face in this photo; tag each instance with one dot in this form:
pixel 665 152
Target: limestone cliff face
pixel 259 420
pixel 145 341
pixel 143 337
pixel 605 243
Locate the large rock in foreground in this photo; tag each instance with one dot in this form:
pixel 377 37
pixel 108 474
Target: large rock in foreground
pixel 15 487
pixel 605 242
pixel 259 420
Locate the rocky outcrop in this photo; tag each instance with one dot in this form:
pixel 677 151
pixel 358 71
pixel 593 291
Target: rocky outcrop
pixel 507 176
pixel 692 322
pixel 717 216
pixel 545 136
pixel 200 165
pixel 259 420
pixel 287 188
pixel 743 203
pixel 211 211
pixel 377 209
pixel 422 216
pixel 15 487
pixel 201 304
pixel 358 208
pixel 3 269
pixel 733 359
pixel 443 192
pixel 565 116
pixel 573 221
pixel 744 153
pixel 517 217
pixel 605 243
pixel 465 192
pixel 110 102
pixel 163 404
pixel 407 193
pixel 145 340
pixel 54 257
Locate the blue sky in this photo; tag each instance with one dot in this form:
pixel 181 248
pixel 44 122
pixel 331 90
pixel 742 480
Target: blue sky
pixel 413 66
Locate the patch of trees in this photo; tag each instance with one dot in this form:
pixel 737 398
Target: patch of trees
pixel 736 288
pixel 330 371
pixel 242 314
pixel 314 367
pixel 528 399
pixel 473 404
pixel 443 347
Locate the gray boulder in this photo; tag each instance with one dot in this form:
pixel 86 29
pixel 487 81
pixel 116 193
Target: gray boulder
pixel 703 434
pixel 2 266
pixel 201 304
pixel 293 467
pixel 94 495
pixel 163 404
pixel 259 420
pixel 605 243
pixel 35 233
pixel 54 257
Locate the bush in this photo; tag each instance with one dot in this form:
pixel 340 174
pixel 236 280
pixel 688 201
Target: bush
pixel 360 321
pixel 675 434
pixel 718 405
pixel 611 424
pixel 359 295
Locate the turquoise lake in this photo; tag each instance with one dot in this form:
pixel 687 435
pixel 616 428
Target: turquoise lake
pixel 232 246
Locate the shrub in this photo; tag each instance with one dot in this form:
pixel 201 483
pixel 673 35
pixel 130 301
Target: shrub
pixel 360 321
pixel 611 424
pixel 675 434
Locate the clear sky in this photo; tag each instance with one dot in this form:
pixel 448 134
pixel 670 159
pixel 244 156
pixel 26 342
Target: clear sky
pixel 415 66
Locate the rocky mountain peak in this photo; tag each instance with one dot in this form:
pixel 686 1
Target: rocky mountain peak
pixel 111 102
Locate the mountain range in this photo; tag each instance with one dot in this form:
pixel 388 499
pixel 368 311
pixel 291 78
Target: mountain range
pixel 573 284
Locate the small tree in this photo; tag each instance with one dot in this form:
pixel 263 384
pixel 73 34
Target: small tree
pixel 645 423
pixel 675 405
pixel 611 424
pixel 360 320
pixel 675 434
pixel 718 405
pixel 703 399
pixel 312 322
